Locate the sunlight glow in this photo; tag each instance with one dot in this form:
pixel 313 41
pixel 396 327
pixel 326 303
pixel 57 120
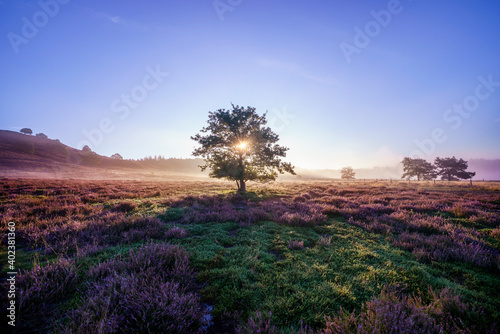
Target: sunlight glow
pixel 242 146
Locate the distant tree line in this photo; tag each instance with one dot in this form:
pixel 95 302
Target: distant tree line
pixel 153 158
pixel 449 169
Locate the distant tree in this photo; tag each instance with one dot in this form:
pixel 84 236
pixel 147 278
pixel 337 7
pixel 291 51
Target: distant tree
pixel 41 135
pixel 347 173
pixel 87 149
pixel 26 131
pixel 239 147
pixel 452 169
pixel 418 168
pixel 117 156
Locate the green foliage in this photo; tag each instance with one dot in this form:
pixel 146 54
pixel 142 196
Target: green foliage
pixel 418 168
pixel 452 169
pixel 26 131
pixel 239 147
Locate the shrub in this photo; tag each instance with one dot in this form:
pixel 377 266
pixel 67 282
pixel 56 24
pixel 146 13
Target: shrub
pixel 176 232
pixel 92 234
pixel 41 135
pixel 296 244
pixel 147 291
pixel 129 304
pixel 262 324
pixel 394 312
pixel 44 285
pixel 325 240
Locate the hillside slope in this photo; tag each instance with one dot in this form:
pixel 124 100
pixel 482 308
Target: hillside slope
pixel 26 155
pixel 23 152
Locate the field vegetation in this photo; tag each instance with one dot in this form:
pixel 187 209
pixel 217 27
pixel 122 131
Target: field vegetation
pixel 288 257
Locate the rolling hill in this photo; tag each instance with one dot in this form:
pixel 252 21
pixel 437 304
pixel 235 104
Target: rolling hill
pixel 32 156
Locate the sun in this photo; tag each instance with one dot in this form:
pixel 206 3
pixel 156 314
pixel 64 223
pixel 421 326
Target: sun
pixel 242 146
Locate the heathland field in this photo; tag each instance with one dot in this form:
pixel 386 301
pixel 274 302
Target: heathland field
pixel 303 257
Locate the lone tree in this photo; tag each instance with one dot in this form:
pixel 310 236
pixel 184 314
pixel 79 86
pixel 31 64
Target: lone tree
pixel 117 156
pixel 452 169
pixel 86 149
pixel 347 173
pixel 418 168
pixel 26 131
pixel 238 146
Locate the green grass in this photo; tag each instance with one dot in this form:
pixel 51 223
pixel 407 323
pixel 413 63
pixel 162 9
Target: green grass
pixel 251 268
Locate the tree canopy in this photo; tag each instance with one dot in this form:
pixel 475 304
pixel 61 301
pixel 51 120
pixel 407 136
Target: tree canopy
pixel 26 131
pixel 418 168
pixel 452 169
pixel 117 156
pixel 86 148
pixel 237 146
pixel 347 173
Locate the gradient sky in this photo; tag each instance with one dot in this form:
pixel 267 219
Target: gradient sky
pixel 390 95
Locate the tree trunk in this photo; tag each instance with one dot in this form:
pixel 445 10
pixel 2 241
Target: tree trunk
pixel 242 187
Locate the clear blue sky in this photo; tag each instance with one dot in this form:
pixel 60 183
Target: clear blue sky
pixel 344 82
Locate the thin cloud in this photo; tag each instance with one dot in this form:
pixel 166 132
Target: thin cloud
pixel 130 24
pixel 295 69
pixel 115 19
pixel 126 23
